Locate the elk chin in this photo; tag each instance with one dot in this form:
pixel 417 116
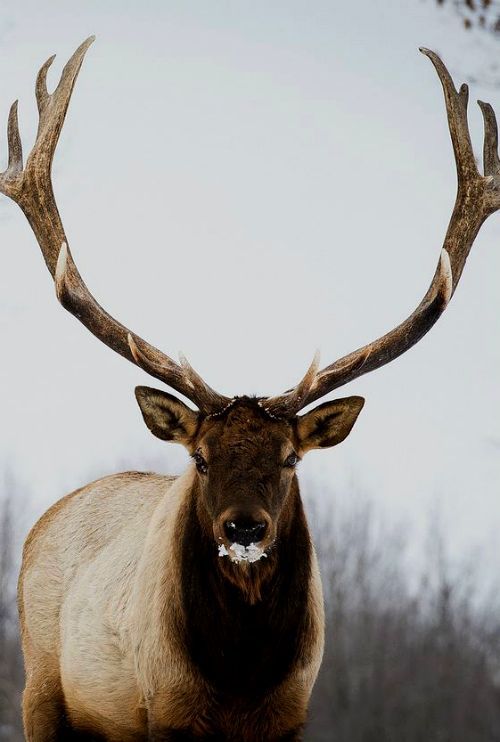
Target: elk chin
pixel 248 568
pixel 240 554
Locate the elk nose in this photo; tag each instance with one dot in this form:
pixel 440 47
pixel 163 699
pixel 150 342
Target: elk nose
pixel 244 531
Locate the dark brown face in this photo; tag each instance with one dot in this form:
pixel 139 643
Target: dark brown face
pixel 245 462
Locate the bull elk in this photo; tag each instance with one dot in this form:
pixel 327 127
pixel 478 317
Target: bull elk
pixel 166 608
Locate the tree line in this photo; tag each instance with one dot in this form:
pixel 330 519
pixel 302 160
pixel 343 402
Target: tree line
pixel 411 655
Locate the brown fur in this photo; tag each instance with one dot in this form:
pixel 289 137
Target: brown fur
pixel 134 627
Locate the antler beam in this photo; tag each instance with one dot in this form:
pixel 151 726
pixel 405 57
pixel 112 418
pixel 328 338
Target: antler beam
pixel 478 196
pixel 31 188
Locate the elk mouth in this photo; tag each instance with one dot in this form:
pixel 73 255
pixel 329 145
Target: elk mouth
pixel 243 538
pixel 240 553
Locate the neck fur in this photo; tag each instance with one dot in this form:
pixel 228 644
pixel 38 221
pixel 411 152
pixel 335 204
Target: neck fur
pixel 239 616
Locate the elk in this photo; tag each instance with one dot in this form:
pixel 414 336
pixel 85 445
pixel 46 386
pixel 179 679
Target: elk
pixel 163 608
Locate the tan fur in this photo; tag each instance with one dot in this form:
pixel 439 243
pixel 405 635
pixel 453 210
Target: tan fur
pixel 99 600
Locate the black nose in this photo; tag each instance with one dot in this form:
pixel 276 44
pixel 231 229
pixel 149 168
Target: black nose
pixel 244 531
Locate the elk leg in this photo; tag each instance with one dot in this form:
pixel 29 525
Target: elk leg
pixel 43 709
pixel 44 712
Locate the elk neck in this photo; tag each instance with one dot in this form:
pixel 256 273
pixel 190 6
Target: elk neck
pixel 245 626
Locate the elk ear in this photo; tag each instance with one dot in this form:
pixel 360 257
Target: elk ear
pixel 329 423
pixel 166 416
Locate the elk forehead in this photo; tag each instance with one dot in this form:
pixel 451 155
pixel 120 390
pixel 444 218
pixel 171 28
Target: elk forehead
pixel 246 432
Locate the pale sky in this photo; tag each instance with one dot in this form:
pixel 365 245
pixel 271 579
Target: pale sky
pixel 247 182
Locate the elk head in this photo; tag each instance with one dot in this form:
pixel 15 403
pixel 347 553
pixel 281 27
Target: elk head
pixel 245 449
pixel 245 460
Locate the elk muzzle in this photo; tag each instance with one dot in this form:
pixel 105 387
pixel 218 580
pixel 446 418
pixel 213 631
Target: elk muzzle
pixel 245 531
pixel 244 536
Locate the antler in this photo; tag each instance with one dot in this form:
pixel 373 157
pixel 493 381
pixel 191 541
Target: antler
pixel 31 188
pixel 477 197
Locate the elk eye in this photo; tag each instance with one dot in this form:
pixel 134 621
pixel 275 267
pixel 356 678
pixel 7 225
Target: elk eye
pixel 200 462
pixel 291 460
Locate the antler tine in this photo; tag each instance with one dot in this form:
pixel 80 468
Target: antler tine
pixel 477 198
pixel 390 346
pixel 491 161
pixel 188 382
pixel 23 185
pixel 52 108
pixel 10 178
pixel 41 92
pixel 287 405
pixel 32 189
pixel 210 400
pixel 15 164
pixel 74 296
pixel 456 108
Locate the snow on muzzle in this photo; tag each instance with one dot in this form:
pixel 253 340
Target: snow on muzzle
pixel 244 537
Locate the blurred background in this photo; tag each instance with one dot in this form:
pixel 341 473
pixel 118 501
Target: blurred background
pixel 247 182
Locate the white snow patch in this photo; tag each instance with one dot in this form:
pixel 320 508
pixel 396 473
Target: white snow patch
pixel 240 553
pixel 222 550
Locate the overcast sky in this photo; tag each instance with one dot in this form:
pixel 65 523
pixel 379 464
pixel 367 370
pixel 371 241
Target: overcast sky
pixel 247 182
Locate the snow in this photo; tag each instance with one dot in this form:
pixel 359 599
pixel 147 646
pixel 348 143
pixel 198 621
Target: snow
pixel 239 553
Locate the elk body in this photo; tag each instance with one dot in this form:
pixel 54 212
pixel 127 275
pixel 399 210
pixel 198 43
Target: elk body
pixel 161 608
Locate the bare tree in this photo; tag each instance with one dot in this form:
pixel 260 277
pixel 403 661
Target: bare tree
pixel 480 21
pixel 480 14
pixel 402 662
pixel 11 667
pixel 407 657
